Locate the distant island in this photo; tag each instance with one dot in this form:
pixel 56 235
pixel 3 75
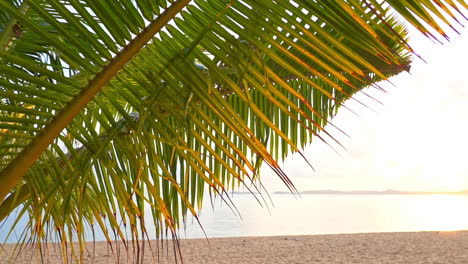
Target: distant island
pixel 386 192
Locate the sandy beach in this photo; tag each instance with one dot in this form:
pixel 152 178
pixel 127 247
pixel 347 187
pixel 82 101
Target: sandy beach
pixel 411 247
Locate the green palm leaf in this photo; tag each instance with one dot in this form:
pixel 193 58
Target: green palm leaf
pixel 110 106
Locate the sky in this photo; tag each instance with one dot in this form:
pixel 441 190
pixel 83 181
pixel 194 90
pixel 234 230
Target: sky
pixel 417 140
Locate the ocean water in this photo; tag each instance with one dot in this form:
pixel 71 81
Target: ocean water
pixel 323 214
pixel 334 214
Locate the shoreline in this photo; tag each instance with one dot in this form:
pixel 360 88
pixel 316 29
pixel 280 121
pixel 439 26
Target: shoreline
pixel 398 247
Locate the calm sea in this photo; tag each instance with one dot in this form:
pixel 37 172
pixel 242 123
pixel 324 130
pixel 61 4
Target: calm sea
pixel 327 214
pixel 334 214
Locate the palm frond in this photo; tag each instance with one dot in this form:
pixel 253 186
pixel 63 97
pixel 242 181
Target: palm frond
pixel 109 106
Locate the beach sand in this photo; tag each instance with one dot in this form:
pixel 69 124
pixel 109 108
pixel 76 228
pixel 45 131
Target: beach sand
pixel 411 247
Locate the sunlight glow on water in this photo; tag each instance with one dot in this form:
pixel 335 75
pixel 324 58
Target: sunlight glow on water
pixel 437 212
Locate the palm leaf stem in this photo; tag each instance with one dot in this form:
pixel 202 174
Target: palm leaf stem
pixel 13 200
pixel 18 167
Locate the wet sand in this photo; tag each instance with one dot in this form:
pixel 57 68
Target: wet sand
pixel 411 247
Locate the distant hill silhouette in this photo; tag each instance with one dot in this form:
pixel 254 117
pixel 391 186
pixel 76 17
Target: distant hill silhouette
pixel 386 192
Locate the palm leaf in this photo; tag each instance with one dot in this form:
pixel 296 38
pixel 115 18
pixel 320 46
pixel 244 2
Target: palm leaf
pixel 109 106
